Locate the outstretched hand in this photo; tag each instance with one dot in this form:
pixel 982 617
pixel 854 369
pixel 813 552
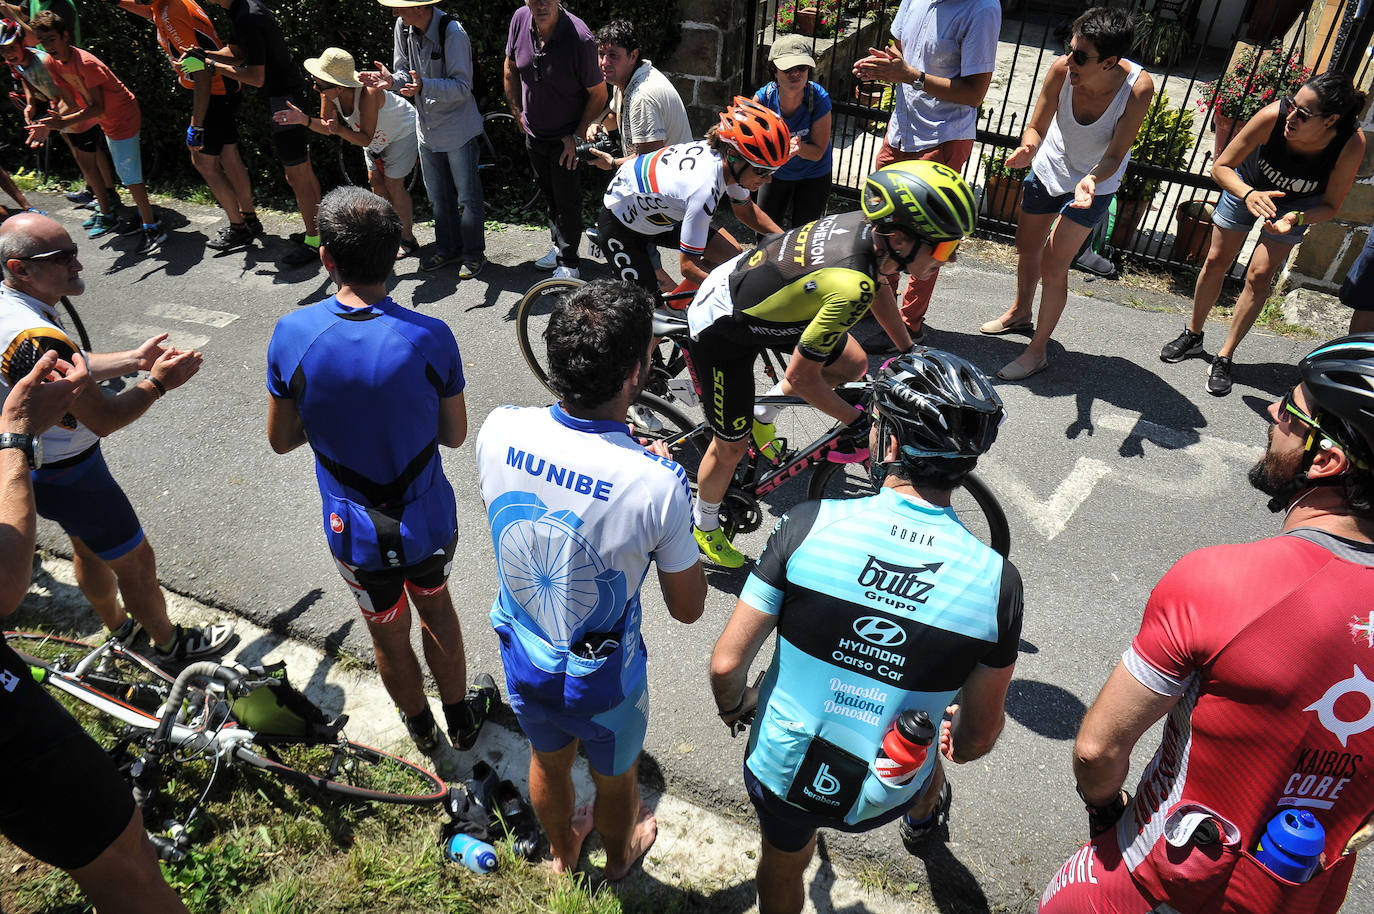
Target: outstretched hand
pixel 150 351
pixel 1085 191
pixel 1021 158
pixel 291 115
pixel 1261 203
pixel 380 78
pixel 174 367
pixel 43 396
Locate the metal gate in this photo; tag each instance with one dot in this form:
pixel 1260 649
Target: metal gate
pixel 1192 48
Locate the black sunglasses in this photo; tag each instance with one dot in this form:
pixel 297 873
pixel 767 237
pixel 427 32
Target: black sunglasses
pixel 62 256
pixel 325 87
pixel 1298 111
pixel 1080 57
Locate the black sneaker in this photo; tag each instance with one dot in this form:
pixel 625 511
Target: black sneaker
pixel 1219 378
pixel 423 730
pixel 153 238
pixel 1188 343
pixel 915 836
pixel 129 225
pixel 300 255
pixel 254 225
pixel 230 237
pixel 197 641
pixel 465 720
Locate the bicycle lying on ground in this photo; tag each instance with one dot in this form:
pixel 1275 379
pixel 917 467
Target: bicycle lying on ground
pixel 219 714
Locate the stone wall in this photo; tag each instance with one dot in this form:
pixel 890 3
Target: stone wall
pixel 708 65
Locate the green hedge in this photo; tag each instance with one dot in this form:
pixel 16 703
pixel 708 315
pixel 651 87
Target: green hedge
pixel 362 27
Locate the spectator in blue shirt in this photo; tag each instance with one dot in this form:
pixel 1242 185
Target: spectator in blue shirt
pixel 799 189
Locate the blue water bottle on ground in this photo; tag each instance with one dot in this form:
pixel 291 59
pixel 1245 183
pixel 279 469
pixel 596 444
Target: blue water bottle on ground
pixel 1292 845
pixel 478 856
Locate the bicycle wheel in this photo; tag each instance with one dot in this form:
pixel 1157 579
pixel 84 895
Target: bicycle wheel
pixel 347 769
pixel 503 162
pixel 973 502
pixel 654 418
pixel 532 317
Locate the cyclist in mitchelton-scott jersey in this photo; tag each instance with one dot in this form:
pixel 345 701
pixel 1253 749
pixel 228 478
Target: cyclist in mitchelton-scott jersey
pixel 667 197
pixel 800 293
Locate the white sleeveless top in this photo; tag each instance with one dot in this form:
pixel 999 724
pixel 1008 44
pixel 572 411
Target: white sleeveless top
pixel 395 118
pixel 1071 149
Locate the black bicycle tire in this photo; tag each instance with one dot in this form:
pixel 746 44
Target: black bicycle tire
pixel 81 333
pixel 436 793
pixel 517 172
pixel 411 179
pixel 999 532
pixel 532 347
pixel 696 435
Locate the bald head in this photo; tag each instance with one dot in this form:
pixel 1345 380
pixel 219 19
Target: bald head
pixel 26 235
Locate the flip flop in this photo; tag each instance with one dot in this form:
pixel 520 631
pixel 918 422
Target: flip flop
pixel 518 821
pixel 997 328
pixel 408 248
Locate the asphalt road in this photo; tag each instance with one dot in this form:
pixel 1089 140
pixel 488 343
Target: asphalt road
pixel 1111 465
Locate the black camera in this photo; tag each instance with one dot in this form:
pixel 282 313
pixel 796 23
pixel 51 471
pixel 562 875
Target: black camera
pixel 605 142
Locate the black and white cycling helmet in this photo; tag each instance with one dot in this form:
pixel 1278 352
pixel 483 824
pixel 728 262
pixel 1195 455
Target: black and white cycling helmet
pixel 941 409
pixel 1339 377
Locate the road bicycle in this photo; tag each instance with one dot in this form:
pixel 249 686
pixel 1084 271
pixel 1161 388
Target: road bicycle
pixel 216 715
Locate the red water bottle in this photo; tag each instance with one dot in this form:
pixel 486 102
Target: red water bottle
pixel 904 748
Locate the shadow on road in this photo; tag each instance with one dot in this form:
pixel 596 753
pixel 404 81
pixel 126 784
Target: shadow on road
pixel 1045 709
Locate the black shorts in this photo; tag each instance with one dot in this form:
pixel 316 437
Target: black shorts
pixel 291 141
pixel 221 123
pixel 380 592
pixel 65 802
pixel 723 357
pixel 87 140
pixel 789 829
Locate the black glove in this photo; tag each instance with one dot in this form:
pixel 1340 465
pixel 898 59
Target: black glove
pixel 1104 818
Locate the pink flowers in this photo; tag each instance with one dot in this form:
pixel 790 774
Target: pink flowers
pixel 1256 80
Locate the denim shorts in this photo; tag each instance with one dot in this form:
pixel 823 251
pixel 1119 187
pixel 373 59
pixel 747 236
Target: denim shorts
pixel 612 739
pixel 1232 215
pixel 1037 201
pixel 789 829
pixel 128 160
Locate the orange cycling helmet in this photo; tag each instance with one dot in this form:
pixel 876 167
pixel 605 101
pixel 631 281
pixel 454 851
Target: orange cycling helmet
pixel 757 133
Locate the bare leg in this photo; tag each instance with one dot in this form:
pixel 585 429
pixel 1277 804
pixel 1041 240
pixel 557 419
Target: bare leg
pixel 925 803
pixel 1222 250
pixel 552 796
pixel 237 175
pixel 395 191
pixel 717 466
pixel 442 639
pixel 97 584
pixel 136 572
pixel 306 187
pixel 1362 322
pixel 1259 279
pixel 145 206
pixel 1031 232
pixel 8 186
pixel 779 878
pixel 626 825
pixel 397 665
pixel 1063 246
pixel 125 878
pixel 90 170
pixel 212 170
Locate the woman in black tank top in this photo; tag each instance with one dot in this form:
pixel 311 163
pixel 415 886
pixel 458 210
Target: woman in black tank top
pixel 1291 165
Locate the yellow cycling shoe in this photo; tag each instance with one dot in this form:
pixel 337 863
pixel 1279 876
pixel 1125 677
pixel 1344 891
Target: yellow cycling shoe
pixel 717 549
pixel 767 443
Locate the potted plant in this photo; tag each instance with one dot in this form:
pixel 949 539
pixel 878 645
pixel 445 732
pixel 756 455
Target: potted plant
pixel 1001 186
pixel 1161 42
pixel 1256 79
pixel 821 18
pixel 1193 232
pixel 1163 141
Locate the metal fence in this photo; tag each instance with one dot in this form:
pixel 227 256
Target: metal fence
pixel 1186 45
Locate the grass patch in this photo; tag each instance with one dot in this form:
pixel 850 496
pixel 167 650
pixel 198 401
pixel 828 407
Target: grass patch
pixel 1271 318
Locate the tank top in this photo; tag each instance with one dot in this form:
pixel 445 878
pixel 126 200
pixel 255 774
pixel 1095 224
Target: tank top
pixel 395 118
pixel 1273 166
pixel 1071 150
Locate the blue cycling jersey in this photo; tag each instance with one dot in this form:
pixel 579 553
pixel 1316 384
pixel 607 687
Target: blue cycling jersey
pixel 368 384
pixel 884 604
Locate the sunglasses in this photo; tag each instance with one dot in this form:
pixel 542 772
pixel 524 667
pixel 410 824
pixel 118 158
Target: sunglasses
pixel 940 251
pixel 762 171
pixel 1299 112
pixel 1080 57
pixel 62 256
pixel 324 87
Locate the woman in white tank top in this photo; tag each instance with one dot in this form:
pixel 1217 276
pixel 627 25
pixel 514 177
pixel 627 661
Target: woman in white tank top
pixel 1077 143
pixel 381 122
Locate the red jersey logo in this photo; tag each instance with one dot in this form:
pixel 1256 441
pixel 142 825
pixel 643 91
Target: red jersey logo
pixel 336 523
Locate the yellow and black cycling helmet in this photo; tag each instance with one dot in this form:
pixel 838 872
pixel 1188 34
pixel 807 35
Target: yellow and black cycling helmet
pixel 929 200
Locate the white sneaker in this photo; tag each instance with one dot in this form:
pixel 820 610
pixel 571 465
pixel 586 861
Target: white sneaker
pixel 566 273
pixel 548 261
pixel 643 418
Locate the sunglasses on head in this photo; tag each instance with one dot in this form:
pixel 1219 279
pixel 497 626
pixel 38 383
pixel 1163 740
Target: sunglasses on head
pixel 1080 57
pixel 1298 111
pixel 62 256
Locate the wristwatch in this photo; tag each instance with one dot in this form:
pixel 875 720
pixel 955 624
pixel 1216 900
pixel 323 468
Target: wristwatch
pixel 919 83
pixel 31 445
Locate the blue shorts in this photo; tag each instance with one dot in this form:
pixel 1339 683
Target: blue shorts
pixel 1232 216
pixel 89 505
pixel 612 739
pixel 128 160
pixel 789 829
pixel 1038 201
pixel 1358 289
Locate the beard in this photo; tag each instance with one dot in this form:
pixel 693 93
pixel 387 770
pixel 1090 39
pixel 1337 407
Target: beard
pixel 1278 476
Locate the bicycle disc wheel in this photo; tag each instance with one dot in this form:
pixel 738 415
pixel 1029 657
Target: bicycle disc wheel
pixel 503 161
pixel 974 504
pixel 346 769
pixel 532 317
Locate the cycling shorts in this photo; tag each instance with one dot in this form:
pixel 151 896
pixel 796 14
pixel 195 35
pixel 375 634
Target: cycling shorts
pixel 73 803
pixel 789 829
pixel 723 356
pixel 634 257
pixel 612 739
pixel 87 140
pixel 221 123
pixel 291 141
pixel 381 593
pixel 82 496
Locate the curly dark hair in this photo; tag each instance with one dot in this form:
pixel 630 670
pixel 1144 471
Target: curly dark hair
pixel 595 337
pixel 1111 31
pixel 619 32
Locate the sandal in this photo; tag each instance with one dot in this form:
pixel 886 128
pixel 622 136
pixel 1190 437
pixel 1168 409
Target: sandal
pixel 995 327
pixel 409 248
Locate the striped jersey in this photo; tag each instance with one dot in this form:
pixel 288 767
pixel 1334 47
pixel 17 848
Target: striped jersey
pixel 677 185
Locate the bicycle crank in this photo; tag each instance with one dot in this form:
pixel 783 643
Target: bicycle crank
pixel 740 513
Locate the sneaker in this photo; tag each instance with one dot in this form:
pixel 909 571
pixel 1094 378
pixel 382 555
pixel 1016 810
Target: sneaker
pixel 436 260
pixel 255 226
pixel 81 197
pixel 717 549
pixel 567 273
pixel 197 641
pixel 914 836
pixel 91 220
pixel 467 718
pixel 644 419
pixel 1188 343
pixel 230 237
pixel 423 730
pixel 471 268
pixel 101 225
pixel 300 255
pixel 1219 378
pixel 153 238
pixel 129 225
pixel 767 443
pixel 548 261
